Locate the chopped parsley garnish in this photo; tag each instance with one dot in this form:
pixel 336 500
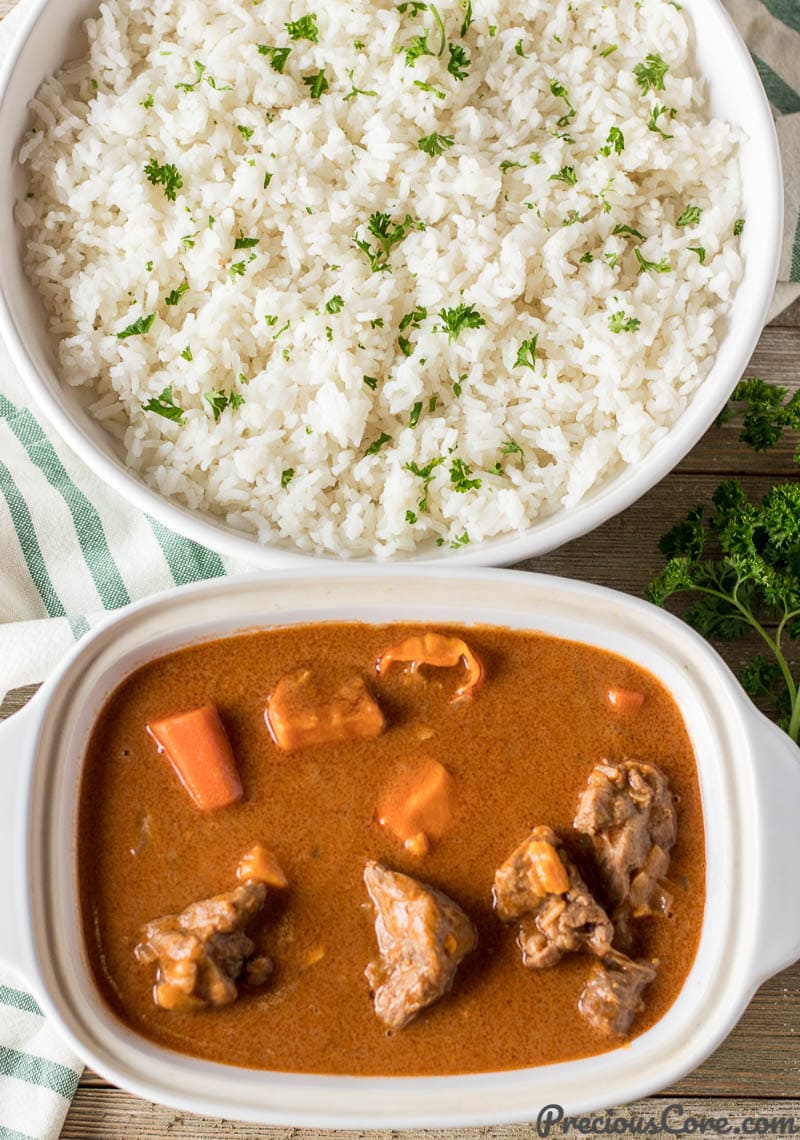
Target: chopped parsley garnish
pixel 560 92
pixel 519 50
pixel 608 50
pixel 147 102
pixel 371 382
pixel 377 444
pixel 566 175
pixel 459 541
pixel 526 353
pixel 615 142
pixel 335 305
pixel 166 175
pixel 507 164
pixel 200 73
pixel 246 132
pixel 174 297
pixel 377 323
pixel 700 251
pixel 662 266
pixel 387 235
pixel 149 267
pixel 423 86
pixel 238 269
pixel 511 447
pixel 690 216
pixel 187 354
pixel 286 477
pixel 219 401
pixel 411 518
pixel 277 56
pixel 267 178
pixel 618 322
pixel 317 84
pixel 461 477
pixel 416 49
pixel 650 74
pixel 165 406
pixel 434 143
pixel 652 123
pixel 271 320
pixel 460 318
pixel 459 62
pixel 414 6
pixel 405 346
pixel 304 29
pixel 628 230
pixel 414 318
pixel 246 243
pixel 416 412
pixel 440 26
pixel 426 475
pixel 612 259
pixel 738 226
pixel 138 328
pixel 282 330
pixel 355 90
pixel 587 258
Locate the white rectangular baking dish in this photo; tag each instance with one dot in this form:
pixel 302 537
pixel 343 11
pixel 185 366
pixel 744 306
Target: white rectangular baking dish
pixel 750 783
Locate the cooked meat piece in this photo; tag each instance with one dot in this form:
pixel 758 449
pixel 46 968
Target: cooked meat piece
pixel 613 995
pixel 540 884
pixel 628 811
pixel 201 951
pixel 422 937
pixel 302 711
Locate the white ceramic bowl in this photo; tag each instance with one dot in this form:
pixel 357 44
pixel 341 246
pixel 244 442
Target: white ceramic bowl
pixel 750 786
pixel 52 34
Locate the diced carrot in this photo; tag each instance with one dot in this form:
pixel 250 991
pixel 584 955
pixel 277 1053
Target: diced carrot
pixel 418 807
pixel 300 713
pixel 625 701
pixel 261 866
pixel 197 746
pixel 436 649
pixel 545 869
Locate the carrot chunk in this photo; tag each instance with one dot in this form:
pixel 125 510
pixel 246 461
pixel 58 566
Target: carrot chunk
pixel 260 865
pixel 418 807
pixel 197 747
pixel 439 650
pixel 626 702
pixel 301 712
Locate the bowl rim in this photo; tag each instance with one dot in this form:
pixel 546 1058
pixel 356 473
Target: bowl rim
pixel 601 503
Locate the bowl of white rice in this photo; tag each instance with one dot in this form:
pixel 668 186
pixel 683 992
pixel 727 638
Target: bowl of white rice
pixel 375 280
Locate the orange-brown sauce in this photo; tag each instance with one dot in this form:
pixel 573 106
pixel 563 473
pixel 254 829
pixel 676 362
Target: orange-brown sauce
pixel 519 752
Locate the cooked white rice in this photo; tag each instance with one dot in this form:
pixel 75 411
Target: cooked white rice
pixel 536 256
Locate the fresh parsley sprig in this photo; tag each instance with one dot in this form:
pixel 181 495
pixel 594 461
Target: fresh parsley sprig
pixel 740 559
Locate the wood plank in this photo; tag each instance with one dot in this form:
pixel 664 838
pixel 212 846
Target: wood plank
pixel 97 1115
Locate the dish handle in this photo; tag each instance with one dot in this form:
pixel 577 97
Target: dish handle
pixel 777 921
pixel 17 749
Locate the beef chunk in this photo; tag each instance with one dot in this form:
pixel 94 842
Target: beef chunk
pixel 613 995
pixel 422 938
pixel 201 951
pixel 541 885
pixel 627 810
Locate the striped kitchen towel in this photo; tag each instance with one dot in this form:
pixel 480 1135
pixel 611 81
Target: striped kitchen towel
pixel 70 551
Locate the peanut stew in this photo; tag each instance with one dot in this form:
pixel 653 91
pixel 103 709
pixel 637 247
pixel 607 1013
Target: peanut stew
pixel 390 850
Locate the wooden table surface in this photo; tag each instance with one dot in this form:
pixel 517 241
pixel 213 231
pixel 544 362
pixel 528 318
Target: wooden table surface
pixel 756 1072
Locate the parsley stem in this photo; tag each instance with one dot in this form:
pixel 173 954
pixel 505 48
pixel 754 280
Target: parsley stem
pixel 442 32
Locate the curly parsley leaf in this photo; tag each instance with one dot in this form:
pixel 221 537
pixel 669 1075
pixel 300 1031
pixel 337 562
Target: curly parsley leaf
pixel 138 328
pixel 317 84
pixel 662 266
pixel 304 29
pixel 461 477
pixel 277 56
pixel 690 216
pixel 460 318
pixel 566 175
pixel 286 477
pixel 166 175
pixel 526 354
pixel 765 411
pixel 618 322
pixel 219 401
pixel 435 143
pixel 459 62
pixel 615 142
pixel 164 405
pixel 416 49
pixel 424 473
pixel 650 74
